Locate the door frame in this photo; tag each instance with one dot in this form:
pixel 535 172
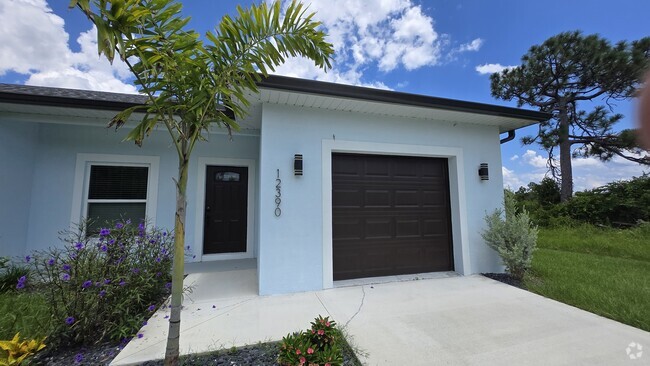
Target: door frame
pixel 200 208
pixel 459 225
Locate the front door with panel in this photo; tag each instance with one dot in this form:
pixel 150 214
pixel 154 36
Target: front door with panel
pixel 226 203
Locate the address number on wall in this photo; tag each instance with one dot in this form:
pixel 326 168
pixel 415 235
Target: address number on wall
pixel 278 195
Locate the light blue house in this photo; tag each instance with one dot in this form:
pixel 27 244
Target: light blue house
pixel 324 182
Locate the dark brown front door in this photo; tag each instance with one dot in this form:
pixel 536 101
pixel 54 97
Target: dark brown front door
pixel 226 202
pixel 390 215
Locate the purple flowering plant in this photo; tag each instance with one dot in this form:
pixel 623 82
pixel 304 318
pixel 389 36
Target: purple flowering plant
pixel 105 282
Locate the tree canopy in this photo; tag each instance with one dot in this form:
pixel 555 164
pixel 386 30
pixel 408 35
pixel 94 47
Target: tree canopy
pixel 566 72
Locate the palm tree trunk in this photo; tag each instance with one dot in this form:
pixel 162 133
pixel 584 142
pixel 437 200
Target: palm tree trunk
pixel 173 337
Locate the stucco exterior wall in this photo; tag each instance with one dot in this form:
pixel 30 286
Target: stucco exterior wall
pixel 38 172
pixel 293 251
pixel 18 142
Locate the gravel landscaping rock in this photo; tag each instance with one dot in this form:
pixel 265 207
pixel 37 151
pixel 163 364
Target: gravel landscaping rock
pixel 265 354
pixel 97 355
pixel 505 278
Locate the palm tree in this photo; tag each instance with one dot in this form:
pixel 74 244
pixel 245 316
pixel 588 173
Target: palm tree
pixel 191 83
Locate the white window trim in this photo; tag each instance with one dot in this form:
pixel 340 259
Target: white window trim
pixel 460 236
pixel 204 162
pixel 82 178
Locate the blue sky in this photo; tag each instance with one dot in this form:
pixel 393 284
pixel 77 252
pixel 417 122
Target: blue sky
pixel 424 47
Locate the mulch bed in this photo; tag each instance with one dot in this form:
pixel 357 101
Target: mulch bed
pixel 264 354
pixel 505 278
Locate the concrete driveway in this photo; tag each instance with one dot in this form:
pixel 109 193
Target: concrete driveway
pixel 441 321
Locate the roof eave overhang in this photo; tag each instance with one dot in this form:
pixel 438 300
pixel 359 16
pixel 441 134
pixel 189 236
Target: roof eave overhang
pixel 528 117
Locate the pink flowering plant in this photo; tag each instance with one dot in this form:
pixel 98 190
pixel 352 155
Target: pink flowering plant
pixel 318 346
pixel 103 285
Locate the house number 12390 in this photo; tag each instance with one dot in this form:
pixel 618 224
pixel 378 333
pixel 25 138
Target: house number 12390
pixel 278 195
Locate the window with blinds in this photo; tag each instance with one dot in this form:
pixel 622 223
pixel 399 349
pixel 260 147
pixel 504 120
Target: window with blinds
pixel 116 192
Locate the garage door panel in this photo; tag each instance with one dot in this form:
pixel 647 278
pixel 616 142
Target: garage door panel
pixel 379 228
pixel 377 168
pixel 390 215
pixel 377 198
pixel 407 198
pixel 407 228
pixel 347 198
pixel 347 228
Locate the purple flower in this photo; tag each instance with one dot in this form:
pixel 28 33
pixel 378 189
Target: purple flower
pixel 21 283
pixel 50 262
pixel 78 358
pixel 111 242
pixel 166 317
pixel 66 267
pixel 128 222
pixel 104 232
pixel 122 283
pixel 151 307
pixel 164 233
pixel 158 259
pixel 28 258
pixel 136 270
pixel 102 293
pixel 144 323
pixel 107 281
pixel 79 245
pixel 140 335
pixel 119 225
pixel 65 277
pixel 168 285
pixel 69 320
pixel 141 226
pixel 103 248
pixel 158 274
pixel 87 284
pixel 152 241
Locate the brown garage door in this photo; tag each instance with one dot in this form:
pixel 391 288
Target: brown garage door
pixel 390 215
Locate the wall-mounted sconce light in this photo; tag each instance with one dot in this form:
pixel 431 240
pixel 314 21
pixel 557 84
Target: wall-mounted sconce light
pixel 483 172
pixel 297 164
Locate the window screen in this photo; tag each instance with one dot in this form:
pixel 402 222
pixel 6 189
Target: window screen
pixel 116 192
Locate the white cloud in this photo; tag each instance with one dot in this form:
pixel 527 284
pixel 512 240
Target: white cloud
pixel 534 159
pixel 33 42
pixel 491 68
pixel 473 46
pixel 386 34
pixel 588 172
pixel 510 179
pixel 514 157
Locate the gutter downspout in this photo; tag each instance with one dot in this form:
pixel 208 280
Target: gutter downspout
pixel 510 137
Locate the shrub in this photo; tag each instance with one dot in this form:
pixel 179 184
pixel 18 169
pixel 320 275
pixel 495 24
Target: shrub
pixel 10 274
pixel 102 287
pixel 514 237
pixel 18 351
pixel 622 203
pixel 319 346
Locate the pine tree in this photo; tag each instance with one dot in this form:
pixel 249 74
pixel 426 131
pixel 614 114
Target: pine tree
pixel 571 69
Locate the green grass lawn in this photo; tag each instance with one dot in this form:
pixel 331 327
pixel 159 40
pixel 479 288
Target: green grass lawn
pixel 604 271
pixel 26 313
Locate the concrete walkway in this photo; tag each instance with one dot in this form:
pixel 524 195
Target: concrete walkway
pixel 444 321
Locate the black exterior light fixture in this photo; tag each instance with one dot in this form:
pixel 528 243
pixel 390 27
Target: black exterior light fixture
pixel 483 172
pixel 297 164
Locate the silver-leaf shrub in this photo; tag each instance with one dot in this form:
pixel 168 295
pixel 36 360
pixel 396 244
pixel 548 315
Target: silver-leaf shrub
pixel 511 234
